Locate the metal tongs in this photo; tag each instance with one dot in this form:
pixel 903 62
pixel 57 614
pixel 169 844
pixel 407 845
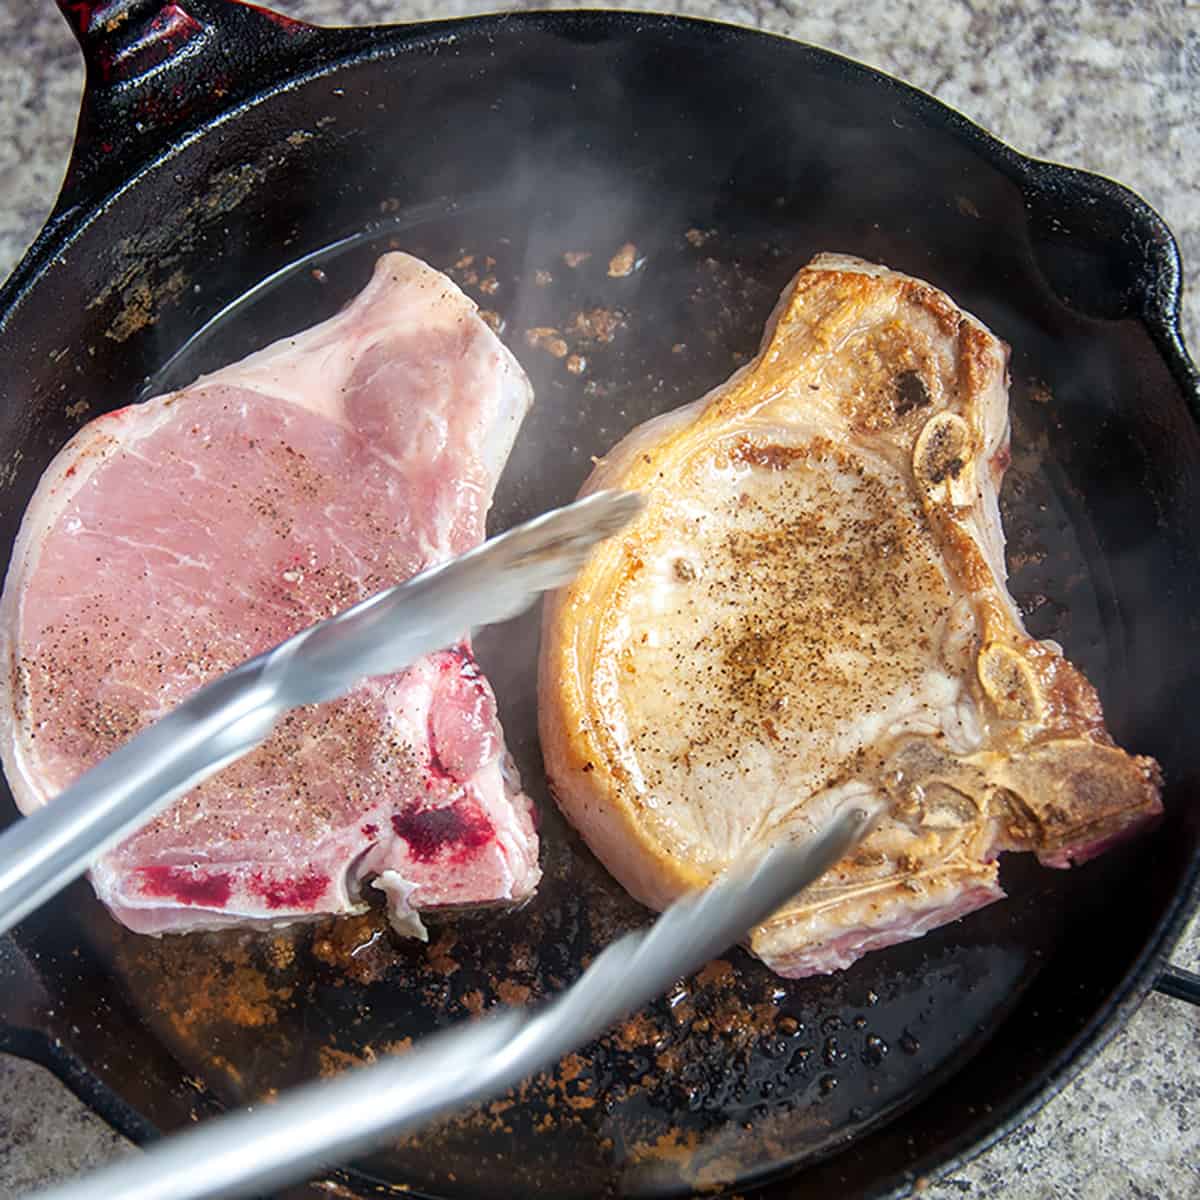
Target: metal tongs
pixel 323 1123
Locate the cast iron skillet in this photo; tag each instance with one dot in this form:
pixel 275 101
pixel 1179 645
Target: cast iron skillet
pixel 221 147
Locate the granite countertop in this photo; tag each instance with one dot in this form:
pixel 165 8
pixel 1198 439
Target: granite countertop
pixel 1103 84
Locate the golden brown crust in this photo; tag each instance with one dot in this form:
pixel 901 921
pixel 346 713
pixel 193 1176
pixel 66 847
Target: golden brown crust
pixel 831 505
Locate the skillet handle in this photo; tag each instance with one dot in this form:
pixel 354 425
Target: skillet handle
pixel 1179 984
pixel 158 69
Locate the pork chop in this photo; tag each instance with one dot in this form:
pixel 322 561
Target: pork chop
pixel 171 540
pixel 812 612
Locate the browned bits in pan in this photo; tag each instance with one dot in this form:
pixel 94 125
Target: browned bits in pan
pixel 624 262
pixel 357 946
pixel 207 987
pixel 543 278
pixel 576 364
pixel 493 320
pixel 575 258
pixel 463 271
pixel 597 324
pixel 439 959
pixel 281 952
pixel 516 995
pixel 334 1061
pixel 545 337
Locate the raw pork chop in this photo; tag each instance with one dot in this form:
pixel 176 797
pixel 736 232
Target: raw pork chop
pixel 812 613
pixel 171 540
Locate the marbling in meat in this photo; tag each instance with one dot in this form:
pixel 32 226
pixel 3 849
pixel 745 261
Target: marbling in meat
pixel 173 539
pixel 811 612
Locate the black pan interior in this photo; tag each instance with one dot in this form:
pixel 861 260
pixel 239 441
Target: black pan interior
pixel 728 159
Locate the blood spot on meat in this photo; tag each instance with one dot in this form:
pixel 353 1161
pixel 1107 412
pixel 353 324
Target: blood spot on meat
pixel 431 832
pixel 461 658
pixel 301 892
pixel 371 831
pixel 437 768
pixel 186 886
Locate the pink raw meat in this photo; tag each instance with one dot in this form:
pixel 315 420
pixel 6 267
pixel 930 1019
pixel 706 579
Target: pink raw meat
pixel 171 540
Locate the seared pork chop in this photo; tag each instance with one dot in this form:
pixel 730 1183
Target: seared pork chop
pixel 812 612
pixel 171 540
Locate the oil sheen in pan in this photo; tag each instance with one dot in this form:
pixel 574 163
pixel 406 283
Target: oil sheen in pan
pixel 734 1074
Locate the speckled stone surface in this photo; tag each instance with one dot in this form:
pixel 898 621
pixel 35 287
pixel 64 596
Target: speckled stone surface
pixel 1102 84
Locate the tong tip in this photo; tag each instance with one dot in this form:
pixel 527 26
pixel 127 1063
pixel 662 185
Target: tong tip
pixel 561 540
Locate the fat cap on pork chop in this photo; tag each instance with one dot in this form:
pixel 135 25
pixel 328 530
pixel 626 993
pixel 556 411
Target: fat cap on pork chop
pixel 812 612
pixel 171 540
